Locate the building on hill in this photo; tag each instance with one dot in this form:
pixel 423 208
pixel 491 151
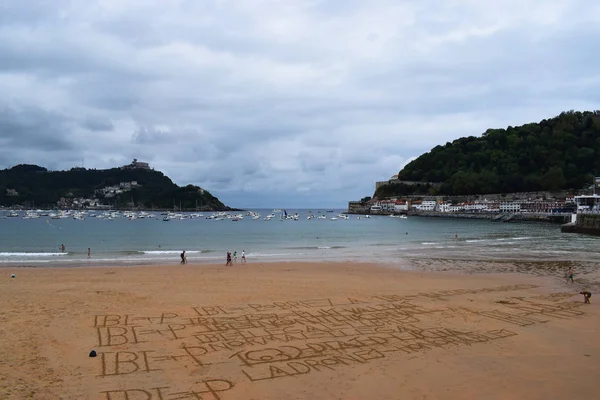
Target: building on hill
pixel 135 164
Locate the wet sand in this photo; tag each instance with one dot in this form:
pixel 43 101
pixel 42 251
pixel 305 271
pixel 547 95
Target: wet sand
pixel 294 331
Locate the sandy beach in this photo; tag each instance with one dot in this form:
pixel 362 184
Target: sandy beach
pixel 293 331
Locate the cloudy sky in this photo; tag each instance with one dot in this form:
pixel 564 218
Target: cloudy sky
pixel 282 103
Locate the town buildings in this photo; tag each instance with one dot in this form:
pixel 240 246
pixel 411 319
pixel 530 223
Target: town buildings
pixel 449 204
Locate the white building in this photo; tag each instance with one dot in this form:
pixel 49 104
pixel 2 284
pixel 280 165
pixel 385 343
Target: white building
pixel 510 206
pixel 426 205
pixel 401 206
pixel 447 207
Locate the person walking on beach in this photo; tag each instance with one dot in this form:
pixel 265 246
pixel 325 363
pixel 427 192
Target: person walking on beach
pixel 235 257
pixel 89 253
pixel 228 259
pixel 243 256
pixel 570 275
pixel 183 258
pixel 62 248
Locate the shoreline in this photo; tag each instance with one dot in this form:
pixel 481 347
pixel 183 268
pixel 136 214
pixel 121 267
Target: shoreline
pixel 587 273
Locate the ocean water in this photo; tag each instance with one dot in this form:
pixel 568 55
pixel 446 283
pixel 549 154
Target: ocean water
pixel 36 242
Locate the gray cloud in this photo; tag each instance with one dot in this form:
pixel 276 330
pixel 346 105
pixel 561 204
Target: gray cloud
pixel 287 103
pixel 30 127
pixel 98 124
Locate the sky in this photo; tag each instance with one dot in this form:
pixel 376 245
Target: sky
pixel 282 103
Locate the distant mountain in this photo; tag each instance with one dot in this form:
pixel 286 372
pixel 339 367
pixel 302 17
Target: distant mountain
pixel 131 186
pixel 562 153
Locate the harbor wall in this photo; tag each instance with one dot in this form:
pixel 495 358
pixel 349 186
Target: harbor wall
pixel 585 223
pixel 560 218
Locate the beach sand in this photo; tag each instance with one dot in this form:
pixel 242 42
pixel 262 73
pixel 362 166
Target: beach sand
pixel 293 331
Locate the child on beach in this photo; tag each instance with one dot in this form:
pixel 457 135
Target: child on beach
pixel 586 296
pixel 243 256
pixel 570 275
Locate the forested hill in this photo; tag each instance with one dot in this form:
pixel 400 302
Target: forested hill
pixel 31 185
pixel 561 153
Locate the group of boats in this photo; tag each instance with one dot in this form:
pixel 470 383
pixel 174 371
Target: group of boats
pixel 169 216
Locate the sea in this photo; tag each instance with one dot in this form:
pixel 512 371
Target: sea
pixel 154 238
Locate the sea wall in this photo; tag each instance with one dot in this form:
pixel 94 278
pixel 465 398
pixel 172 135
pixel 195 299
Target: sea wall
pixel 586 223
pixel 559 218
pixel 501 217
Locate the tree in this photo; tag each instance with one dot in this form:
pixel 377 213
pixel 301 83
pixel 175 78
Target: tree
pixel 557 153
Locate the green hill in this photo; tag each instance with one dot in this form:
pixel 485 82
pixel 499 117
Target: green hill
pixel 143 188
pixel 562 153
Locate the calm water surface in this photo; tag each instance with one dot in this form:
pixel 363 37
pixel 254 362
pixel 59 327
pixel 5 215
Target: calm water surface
pixel 379 238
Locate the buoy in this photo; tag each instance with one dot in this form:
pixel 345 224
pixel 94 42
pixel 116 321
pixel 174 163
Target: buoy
pixel 13 276
pixel 93 353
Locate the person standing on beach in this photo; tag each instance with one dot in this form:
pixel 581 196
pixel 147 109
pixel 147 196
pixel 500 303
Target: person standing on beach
pixel 183 258
pixel 89 253
pixel 570 275
pixel 62 248
pixel 234 256
pixel 243 256
pixel 228 259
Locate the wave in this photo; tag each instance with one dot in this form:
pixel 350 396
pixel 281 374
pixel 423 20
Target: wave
pixel 154 252
pixel 315 247
pixel 25 254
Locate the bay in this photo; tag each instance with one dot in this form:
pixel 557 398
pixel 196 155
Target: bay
pixel 37 241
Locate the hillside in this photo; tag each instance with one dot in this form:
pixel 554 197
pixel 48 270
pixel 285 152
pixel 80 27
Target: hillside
pixel 562 153
pixel 125 187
